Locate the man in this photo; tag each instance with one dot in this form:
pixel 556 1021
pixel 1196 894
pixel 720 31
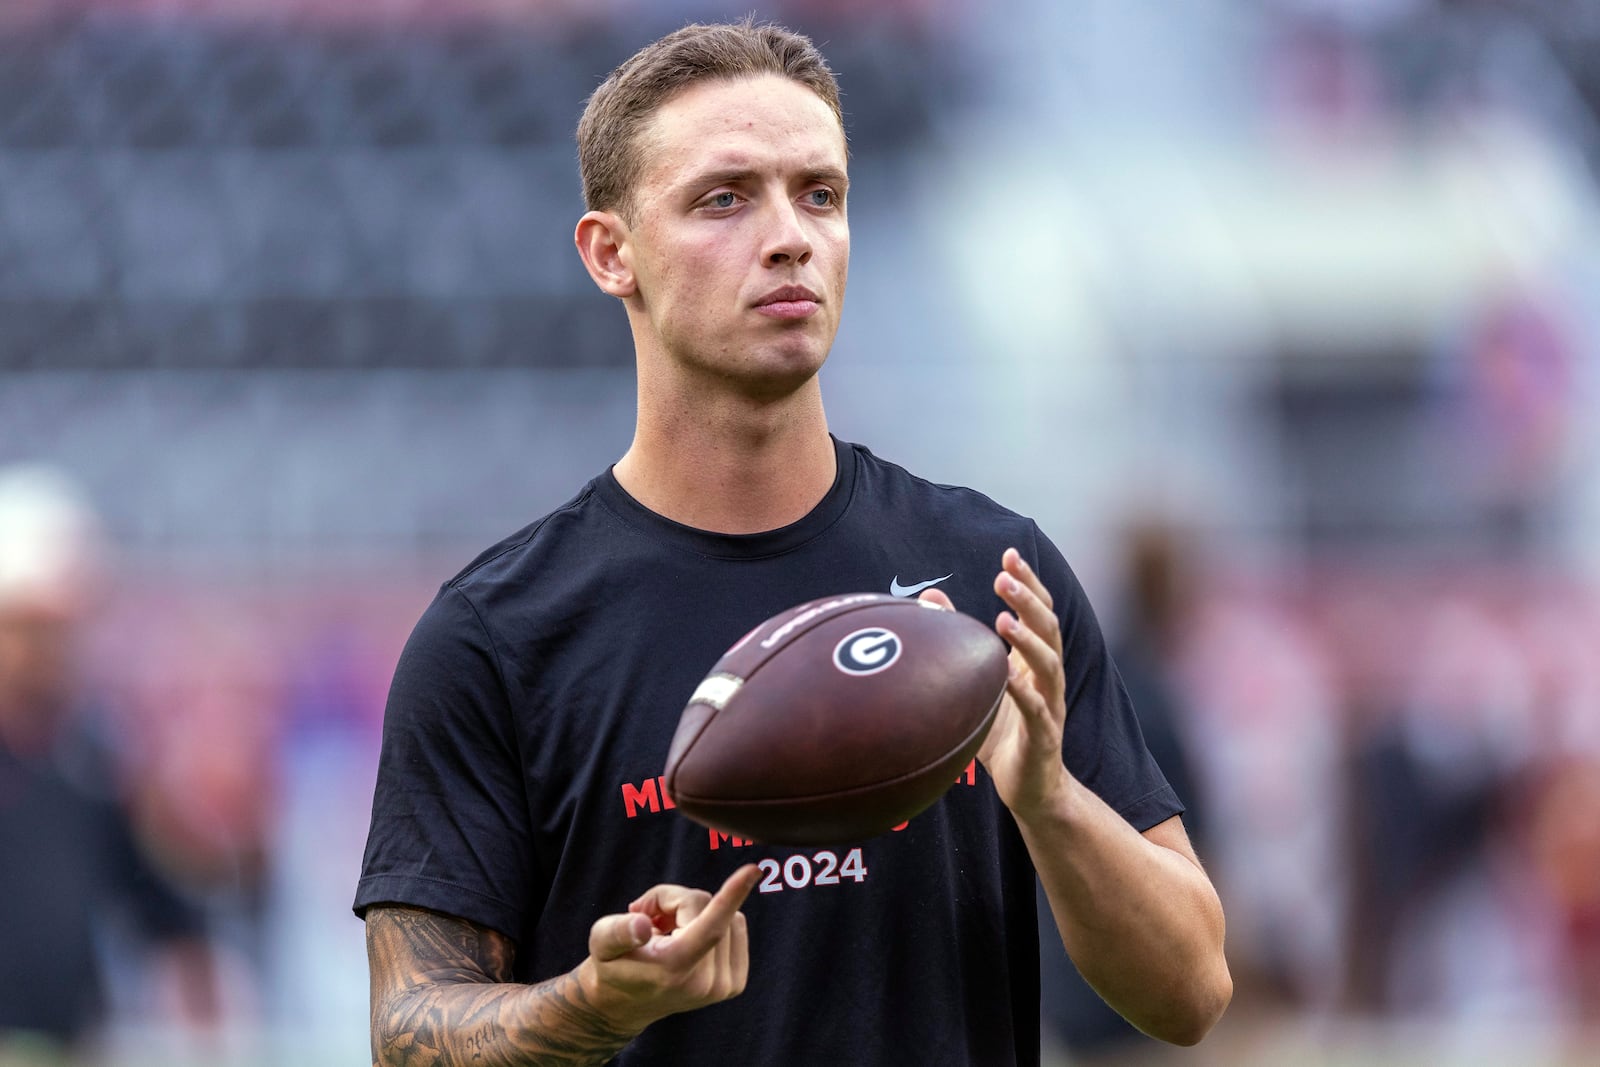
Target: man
pixel 73 872
pixel 529 895
pixel 1157 609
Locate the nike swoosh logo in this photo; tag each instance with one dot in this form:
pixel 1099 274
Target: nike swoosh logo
pixel 896 589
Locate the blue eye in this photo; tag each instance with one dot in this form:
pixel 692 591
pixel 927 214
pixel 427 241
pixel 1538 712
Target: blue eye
pixel 723 200
pixel 821 197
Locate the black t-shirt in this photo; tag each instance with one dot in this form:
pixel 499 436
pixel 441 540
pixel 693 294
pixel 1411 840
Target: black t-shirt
pixel 71 873
pixel 529 721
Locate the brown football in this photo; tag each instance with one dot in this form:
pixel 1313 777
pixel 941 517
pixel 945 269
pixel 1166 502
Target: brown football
pixel 836 720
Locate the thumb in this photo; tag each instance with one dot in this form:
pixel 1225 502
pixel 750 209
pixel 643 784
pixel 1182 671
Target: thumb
pixel 617 935
pixel 937 596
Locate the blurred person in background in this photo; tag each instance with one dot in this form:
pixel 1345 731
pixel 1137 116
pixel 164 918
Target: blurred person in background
pixel 1157 585
pixel 1434 786
pixel 201 709
pixel 75 882
pixel 1158 589
pixel 1484 832
pixel 1561 832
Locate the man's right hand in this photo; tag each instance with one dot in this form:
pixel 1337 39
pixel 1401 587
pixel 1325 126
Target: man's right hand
pixel 443 991
pixel 675 949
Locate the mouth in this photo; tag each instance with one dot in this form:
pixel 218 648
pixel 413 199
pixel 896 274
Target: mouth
pixel 789 302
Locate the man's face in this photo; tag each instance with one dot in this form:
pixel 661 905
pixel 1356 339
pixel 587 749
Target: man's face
pixel 35 665
pixel 739 243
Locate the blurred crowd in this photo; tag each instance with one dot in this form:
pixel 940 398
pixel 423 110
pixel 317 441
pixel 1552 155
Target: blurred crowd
pixel 1395 778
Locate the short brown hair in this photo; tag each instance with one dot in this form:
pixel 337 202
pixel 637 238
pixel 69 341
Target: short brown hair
pixel 609 159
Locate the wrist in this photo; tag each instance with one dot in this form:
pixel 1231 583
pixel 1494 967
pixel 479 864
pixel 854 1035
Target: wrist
pixel 1058 802
pixel 607 1006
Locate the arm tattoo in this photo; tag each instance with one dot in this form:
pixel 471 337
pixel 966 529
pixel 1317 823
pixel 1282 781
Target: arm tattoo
pixel 443 996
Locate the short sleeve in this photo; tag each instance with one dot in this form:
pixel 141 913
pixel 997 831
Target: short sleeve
pixel 449 813
pixel 1103 747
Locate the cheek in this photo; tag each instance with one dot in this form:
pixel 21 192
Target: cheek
pixel 687 267
pixel 839 248
pixel 661 280
pixel 841 260
pixel 679 292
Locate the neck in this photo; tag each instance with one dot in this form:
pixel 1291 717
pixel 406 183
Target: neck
pixel 26 729
pixel 729 464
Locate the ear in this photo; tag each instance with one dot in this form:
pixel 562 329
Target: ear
pixel 602 240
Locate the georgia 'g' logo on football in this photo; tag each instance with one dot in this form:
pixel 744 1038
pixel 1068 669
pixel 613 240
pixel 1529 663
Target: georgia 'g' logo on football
pixel 867 651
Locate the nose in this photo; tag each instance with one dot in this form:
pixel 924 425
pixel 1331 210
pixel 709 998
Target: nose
pixel 787 240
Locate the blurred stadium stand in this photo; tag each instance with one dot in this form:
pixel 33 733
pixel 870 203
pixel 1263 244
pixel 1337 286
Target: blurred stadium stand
pixel 180 194
pixel 210 213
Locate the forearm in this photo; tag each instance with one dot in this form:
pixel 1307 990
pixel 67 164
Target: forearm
pixel 442 995
pixel 1141 921
pixel 442 990
pixel 493 1025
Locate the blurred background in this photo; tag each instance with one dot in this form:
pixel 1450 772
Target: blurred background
pixel 1282 318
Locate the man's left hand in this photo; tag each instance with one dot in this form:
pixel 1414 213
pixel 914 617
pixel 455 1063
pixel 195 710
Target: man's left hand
pixel 1023 750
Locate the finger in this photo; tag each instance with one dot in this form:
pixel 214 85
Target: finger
pixel 722 963
pixel 1041 658
pixel 670 906
pixel 741 953
pixel 1034 709
pixel 1019 568
pixel 646 901
pixel 1029 606
pixel 937 596
pixel 1035 613
pixel 733 958
pixel 695 939
pixel 612 936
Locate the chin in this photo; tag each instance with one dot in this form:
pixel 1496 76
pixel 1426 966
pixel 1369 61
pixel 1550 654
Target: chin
pixel 777 376
pixel 768 371
pixel 773 388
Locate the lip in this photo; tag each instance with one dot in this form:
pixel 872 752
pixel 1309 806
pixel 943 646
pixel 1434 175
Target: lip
pixel 788 302
pixel 788 294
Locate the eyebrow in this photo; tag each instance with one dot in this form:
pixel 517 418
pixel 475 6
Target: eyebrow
pixel 737 174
